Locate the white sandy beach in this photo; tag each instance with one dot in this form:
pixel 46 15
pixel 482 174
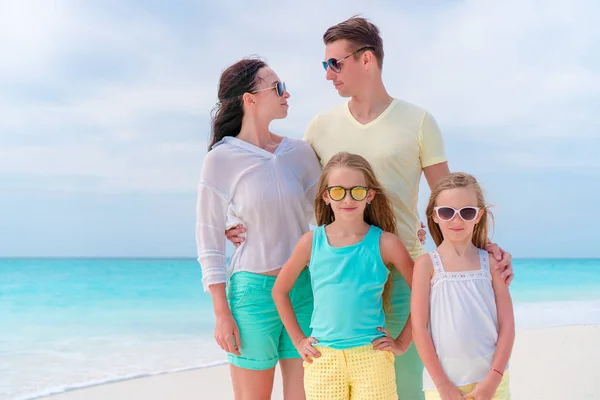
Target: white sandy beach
pixel 553 363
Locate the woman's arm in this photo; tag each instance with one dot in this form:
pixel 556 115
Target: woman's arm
pixel 281 295
pixel 212 202
pixel 211 212
pixel 227 333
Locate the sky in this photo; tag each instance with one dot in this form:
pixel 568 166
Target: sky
pixel 105 111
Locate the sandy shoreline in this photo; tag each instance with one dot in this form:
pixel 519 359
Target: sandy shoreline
pixel 552 363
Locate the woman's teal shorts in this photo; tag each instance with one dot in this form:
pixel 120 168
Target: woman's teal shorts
pixel 264 340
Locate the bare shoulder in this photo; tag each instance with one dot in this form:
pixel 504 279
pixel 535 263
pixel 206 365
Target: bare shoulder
pixel 305 241
pixel 302 250
pixel 423 262
pixel 389 240
pixel 390 244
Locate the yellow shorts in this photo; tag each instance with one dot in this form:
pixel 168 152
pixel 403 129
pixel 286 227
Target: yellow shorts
pixel 502 393
pixel 360 373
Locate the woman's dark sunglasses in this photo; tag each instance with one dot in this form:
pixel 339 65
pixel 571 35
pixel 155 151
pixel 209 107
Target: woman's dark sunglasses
pixel 338 193
pixel 279 86
pixel 467 214
pixel 335 64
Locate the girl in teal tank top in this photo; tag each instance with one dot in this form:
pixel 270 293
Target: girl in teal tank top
pixel 350 354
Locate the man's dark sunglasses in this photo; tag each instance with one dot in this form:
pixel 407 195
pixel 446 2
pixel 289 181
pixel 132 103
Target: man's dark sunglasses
pixel 335 64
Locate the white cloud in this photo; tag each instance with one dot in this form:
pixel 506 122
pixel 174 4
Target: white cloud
pixel 491 64
pixel 29 32
pixel 149 167
pixel 490 72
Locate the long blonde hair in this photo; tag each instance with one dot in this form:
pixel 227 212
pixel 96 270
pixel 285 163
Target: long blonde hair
pixel 460 180
pixel 379 213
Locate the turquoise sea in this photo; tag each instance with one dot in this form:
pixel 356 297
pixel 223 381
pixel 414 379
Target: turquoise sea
pixel 70 323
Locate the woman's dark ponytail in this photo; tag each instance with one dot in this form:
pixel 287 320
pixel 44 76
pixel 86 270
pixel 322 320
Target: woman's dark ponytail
pixel 236 80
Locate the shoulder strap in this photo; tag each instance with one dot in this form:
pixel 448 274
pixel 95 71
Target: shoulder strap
pixel 438 268
pixel 316 245
pixel 484 260
pixel 374 235
pixel 318 236
pixel 373 239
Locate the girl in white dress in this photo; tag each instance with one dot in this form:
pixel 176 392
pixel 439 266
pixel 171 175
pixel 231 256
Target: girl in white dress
pixel 462 314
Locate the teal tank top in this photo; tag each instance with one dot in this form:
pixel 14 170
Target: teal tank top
pixel 347 285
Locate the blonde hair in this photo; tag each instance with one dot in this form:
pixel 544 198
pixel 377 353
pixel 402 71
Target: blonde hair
pixel 379 213
pixel 453 181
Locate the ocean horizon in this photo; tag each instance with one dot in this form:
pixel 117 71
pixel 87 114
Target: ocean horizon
pixel 74 322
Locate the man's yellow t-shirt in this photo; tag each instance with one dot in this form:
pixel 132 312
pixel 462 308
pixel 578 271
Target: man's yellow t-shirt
pixel 399 143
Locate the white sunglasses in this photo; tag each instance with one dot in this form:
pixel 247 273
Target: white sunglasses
pixel 467 214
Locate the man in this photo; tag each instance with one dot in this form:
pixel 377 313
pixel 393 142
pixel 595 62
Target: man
pixel 399 139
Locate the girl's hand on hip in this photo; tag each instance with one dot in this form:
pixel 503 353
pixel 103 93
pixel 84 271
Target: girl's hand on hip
pixel 387 343
pixel 227 334
pixel 306 349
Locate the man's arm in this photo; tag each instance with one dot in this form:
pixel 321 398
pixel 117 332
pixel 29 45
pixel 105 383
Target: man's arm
pixel 432 155
pixel 435 166
pixel 434 162
pixel 434 172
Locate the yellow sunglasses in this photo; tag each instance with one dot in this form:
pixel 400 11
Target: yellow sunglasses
pixel 338 193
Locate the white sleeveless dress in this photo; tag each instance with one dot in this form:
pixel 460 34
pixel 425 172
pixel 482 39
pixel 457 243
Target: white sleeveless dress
pixel 463 322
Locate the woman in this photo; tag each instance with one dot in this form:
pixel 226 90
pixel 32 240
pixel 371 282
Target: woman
pixel 266 182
